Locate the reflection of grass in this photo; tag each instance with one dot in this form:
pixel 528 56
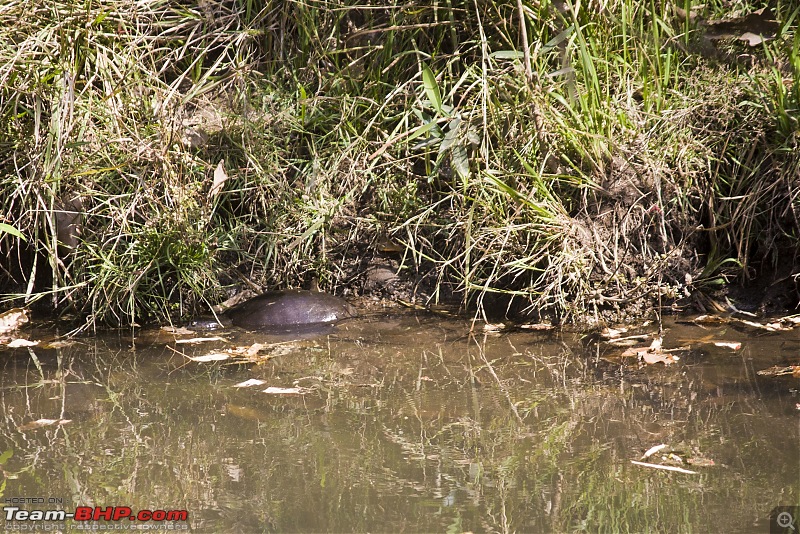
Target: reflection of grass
pixel 409 455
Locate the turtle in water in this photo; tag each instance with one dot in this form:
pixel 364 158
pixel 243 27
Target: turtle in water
pixel 284 310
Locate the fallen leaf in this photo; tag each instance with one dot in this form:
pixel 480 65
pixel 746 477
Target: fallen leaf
pixel 634 352
pixel 674 458
pixel 253 349
pixel 778 370
pixel 176 330
pixel 249 383
pixel 12 319
pixel 219 178
pixel 539 327
pixel 652 450
pixel 710 319
pixel 769 327
pixel 733 345
pixel 272 390
pixel 659 357
pixel 623 342
pixel 700 462
pixel 211 357
pixel 655 346
pixel 19 342
pixel 665 467
pixel 753 39
pixel 199 339
pixel 612 333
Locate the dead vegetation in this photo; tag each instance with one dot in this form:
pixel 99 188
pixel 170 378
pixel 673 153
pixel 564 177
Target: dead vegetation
pixel 631 158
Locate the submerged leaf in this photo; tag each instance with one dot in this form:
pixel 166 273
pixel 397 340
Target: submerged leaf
pixel 39 423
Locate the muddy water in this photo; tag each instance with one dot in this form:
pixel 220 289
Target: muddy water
pixel 405 424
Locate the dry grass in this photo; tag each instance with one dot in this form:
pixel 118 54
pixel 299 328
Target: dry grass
pixel 611 165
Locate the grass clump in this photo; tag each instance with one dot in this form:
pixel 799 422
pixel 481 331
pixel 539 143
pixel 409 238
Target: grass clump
pixel 578 159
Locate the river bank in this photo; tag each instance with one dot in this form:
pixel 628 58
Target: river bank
pixel 578 164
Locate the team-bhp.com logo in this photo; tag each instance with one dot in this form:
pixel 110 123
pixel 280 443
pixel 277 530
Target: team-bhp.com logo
pixel 88 513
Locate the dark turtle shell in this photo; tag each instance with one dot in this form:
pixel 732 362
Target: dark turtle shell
pixel 293 307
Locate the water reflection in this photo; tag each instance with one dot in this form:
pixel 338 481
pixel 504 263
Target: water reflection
pixel 409 424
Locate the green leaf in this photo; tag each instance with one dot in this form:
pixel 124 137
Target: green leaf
pixel 460 161
pixel 425 128
pixel 6 456
pixel 451 136
pixel 8 229
pixel 507 54
pixel 432 89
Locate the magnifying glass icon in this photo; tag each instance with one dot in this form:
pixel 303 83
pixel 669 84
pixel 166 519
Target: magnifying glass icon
pixel 785 520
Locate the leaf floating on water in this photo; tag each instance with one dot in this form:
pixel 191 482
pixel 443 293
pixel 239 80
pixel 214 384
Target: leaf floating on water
pixel 701 462
pixel 652 450
pixel 659 357
pixel 199 339
pixel 249 383
pixel 39 423
pixel 624 341
pixel 634 352
pixel 176 330
pixel 272 390
pixel 769 327
pixel 19 342
pixel 655 346
pixel 733 345
pixel 665 467
pixel 612 333
pixel 710 319
pixel 652 354
pixel 778 370
pixel 211 357
pixel 58 344
pixel 539 327
pixel 12 319
pixel 254 349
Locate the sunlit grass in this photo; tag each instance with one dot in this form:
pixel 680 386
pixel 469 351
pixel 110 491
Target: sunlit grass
pixel 616 157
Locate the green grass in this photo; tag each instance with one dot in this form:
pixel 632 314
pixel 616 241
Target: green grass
pixel 597 171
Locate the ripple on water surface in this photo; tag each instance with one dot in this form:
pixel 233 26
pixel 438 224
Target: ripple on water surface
pixel 406 423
